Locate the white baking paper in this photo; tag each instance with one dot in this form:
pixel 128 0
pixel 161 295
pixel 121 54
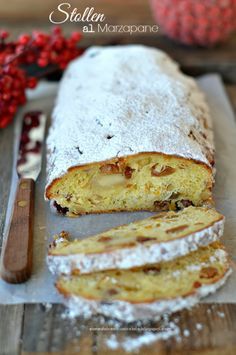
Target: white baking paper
pixel 40 288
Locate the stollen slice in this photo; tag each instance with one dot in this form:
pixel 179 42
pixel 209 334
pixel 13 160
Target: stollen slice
pixel 159 238
pixel 148 291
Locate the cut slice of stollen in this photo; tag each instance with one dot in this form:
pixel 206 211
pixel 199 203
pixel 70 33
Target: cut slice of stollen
pixel 162 237
pixel 149 291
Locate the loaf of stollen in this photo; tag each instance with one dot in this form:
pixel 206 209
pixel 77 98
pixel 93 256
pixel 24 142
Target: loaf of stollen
pixel 129 132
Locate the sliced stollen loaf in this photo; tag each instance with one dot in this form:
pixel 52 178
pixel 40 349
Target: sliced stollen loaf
pixel 129 132
pixel 159 238
pixel 148 291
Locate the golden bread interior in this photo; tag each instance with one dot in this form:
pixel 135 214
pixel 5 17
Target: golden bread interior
pixel 163 227
pixel 146 181
pixel 178 278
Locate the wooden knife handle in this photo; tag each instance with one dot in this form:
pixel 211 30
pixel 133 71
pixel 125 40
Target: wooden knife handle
pixel 18 250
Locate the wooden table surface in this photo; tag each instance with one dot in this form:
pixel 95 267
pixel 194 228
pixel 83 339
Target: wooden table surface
pixel 28 328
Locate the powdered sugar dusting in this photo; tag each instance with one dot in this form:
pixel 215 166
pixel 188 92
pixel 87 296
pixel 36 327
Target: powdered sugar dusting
pixel 199 326
pixel 219 256
pixel 134 95
pixel 133 343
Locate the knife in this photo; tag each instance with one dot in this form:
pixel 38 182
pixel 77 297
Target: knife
pixel 18 249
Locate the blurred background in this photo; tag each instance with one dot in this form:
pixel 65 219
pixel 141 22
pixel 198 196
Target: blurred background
pixel 203 22
pixel 199 34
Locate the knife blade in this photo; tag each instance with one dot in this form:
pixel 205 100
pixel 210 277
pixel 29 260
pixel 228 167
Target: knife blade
pixel 18 249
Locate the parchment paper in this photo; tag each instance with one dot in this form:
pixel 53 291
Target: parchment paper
pixel 40 288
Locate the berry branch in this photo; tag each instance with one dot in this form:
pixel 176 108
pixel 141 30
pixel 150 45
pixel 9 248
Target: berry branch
pixel 52 51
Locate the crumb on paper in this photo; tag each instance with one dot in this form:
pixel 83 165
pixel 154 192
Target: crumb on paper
pixel 62 237
pixel 62 234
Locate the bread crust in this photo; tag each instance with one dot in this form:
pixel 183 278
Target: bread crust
pixel 151 300
pixel 130 311
pixel 221 218
pixel 128 257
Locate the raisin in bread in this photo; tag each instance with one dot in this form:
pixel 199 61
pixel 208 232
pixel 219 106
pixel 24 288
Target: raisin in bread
pixel 159 238
pixel 129 132
pixel 148 291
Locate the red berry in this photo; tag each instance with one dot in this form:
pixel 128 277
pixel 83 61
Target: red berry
pixel 40 39
pixel 57 30
pixel 20 49
pixel 22 99
pixel 12 109
pixel 24 39
pixel 62 65
pixel 4 34
pixel 40 48
pixel 5 120
pixel 42 62
pixel 31 82
pixel 6 96
pixel 58 44
pixel 76 36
